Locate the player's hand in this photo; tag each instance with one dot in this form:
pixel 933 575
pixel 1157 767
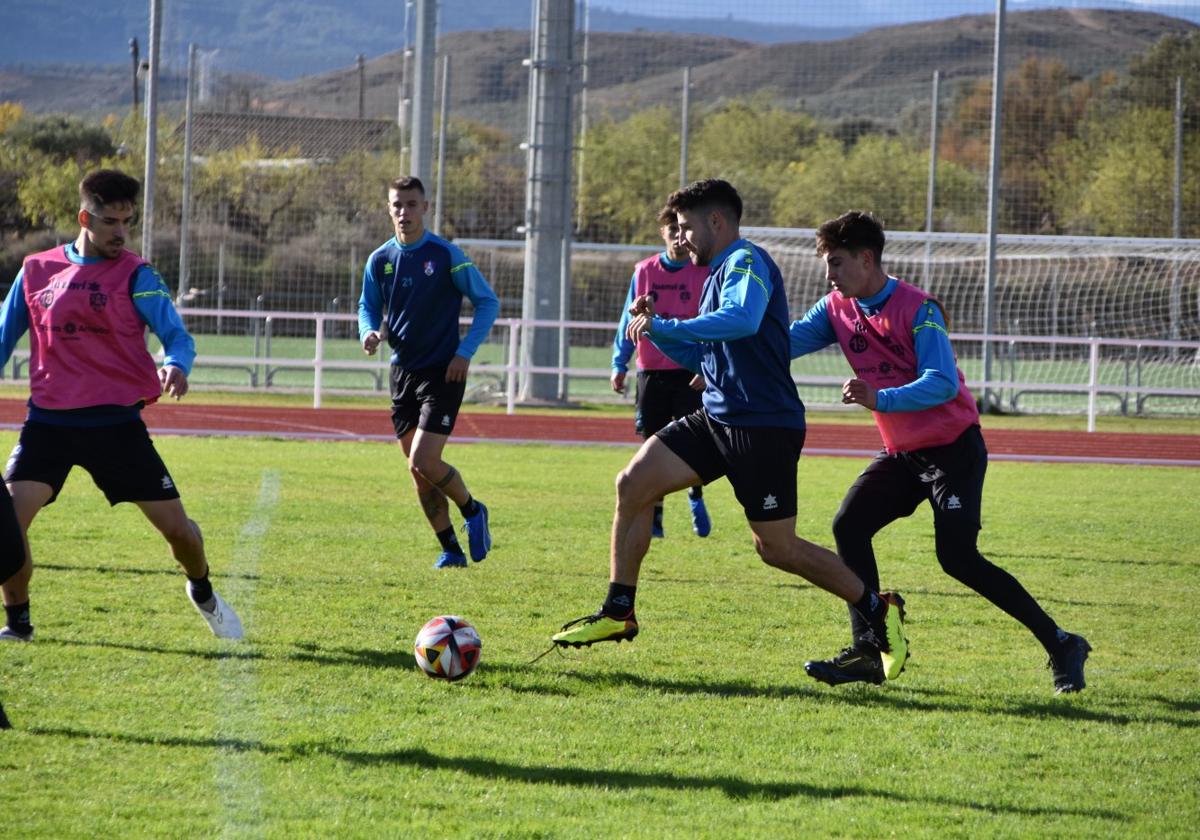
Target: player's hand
pixel 456 371
pixel 643 305
pixel 639 327
pixel 858 392
pixel 697 383
pixel 617 380
pixel 370 342
pixel 174 381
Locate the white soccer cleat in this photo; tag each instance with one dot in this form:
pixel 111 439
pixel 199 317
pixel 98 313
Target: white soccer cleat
pixel 223 621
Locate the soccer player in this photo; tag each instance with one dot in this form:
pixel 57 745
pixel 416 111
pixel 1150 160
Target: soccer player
pixel 894 337
pixel 665 391
pixel 420 280
pixel 86 306
pixel 750 428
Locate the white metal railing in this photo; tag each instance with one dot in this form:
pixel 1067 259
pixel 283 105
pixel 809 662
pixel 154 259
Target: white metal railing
pixel 512 370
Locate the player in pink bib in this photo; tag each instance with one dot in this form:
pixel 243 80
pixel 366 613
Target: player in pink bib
pixel 86 307
pixel 666 390
pixel 894 337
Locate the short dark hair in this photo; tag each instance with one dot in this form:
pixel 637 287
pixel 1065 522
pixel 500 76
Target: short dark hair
pixel 407 182
pixel 107 186
pixel 666 216
pixel 855 231
pixel 709 194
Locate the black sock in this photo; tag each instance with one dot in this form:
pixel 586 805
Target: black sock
pixel 619 603
pixel 870 606
pixel 201 589
pixel 658 512
pixel 696 492
pixel 470 508
pixel 449 541
pixel 18 617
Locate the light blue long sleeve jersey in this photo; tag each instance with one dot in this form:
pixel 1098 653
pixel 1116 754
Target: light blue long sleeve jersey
pixel 623 348
pixel 938 381
pixel 151 298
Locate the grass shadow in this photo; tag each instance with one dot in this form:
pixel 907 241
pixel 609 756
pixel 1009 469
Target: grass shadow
pixel 490 770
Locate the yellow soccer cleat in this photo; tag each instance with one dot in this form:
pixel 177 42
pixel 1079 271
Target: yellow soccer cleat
pixel 894 648
pixel 596 628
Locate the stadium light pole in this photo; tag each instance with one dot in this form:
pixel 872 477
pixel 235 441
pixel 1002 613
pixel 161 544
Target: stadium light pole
pixel 185 215
pixel 684 121
pixel 989 399
pixel 422 112
pixel 133 54
pixel 441 154
pixel 583 112
pixel 151 132
pixel 932 186
pixel 1177 218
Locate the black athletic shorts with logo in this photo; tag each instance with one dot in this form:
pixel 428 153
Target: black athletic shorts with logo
pixel 423 399
pixel 759 460
pixel 663 396
pixel 121 459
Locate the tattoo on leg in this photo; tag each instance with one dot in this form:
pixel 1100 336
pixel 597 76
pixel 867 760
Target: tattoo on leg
pixel 450 474
pixel 433 504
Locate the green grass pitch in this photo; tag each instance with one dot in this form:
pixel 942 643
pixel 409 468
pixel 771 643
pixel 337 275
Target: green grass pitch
pixel 132 720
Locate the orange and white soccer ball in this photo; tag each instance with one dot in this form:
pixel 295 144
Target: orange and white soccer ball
pixel 448 647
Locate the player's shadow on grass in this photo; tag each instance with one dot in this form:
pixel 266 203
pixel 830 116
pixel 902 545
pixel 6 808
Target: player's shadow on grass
pixel 901 700
pixel 491 770
pixel 166 569
pixel 224 652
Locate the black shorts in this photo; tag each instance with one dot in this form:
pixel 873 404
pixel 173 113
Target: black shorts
pixel 121 458
pixel 950 477
pixel 663 396
pixel 424 399
pixel 759 460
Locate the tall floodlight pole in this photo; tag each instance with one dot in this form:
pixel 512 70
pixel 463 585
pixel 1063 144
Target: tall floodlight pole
pixel 931 188
pixel 422 121
pixel 133 54
pixel 1177 216
pixel 583 112
pixel 443 119
pixel 684 122
pixel 360 65
pixel 547 203
pixel 151 131
pixel 402 112
pixel 185 217
pixel 990 400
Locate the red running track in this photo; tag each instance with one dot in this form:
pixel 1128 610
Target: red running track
pixel 193 418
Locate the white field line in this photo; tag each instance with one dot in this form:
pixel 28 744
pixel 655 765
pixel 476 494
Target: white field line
pixel 237 772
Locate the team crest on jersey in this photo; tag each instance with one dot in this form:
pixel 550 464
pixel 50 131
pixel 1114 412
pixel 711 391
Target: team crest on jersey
pixel 428 268
pixel 98 300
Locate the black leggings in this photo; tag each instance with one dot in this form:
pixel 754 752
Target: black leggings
pixel 12 545
pixel 951 478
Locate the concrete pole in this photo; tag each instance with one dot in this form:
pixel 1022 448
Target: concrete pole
pixel 185 217
pixel 548 187
pixel 684 123
pixel 361 66
pixel 989 399
pixel 931 188
pixel 151 132
pixel 402 110
pixel 439 193
pixel 583 112
pixel 422 121
pixel 1177 218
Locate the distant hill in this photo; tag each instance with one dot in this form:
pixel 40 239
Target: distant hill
pixel 303 37
pixel 872 74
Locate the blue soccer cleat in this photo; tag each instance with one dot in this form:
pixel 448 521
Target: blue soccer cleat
pixel 479 536
pixel 450 560
pixel 701 524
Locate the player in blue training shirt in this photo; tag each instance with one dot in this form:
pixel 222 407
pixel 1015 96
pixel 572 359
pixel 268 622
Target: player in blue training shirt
pixel 750 428
pixel 420 280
